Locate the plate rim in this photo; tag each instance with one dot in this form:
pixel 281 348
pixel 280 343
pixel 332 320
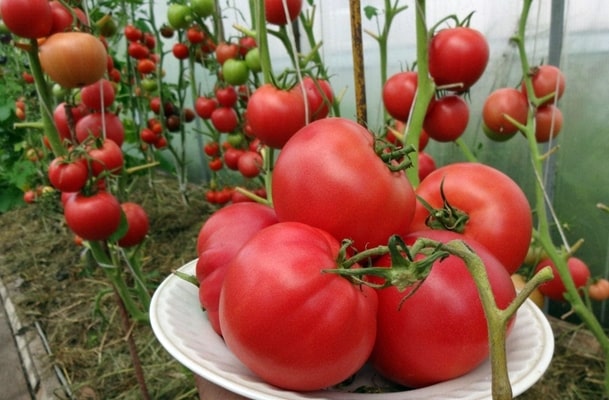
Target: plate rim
pixel 244 388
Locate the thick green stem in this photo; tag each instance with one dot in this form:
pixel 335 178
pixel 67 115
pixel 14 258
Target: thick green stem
pixel 425 92
pixel 543 234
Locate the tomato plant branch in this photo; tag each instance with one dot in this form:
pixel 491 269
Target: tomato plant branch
pixel 425 90
pixel 45 101
pixel 543 234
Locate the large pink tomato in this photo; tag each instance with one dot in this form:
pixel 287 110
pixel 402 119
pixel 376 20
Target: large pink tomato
pixel 440 331
pixel 481 202
pixel 293 325
pixel 328 175
pixel 220 237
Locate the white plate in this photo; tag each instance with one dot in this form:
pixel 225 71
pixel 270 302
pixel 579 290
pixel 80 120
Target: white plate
pixel 184 331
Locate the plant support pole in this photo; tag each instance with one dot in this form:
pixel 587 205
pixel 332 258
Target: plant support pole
pixel 358 62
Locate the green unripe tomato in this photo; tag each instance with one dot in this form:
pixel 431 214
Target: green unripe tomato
pixel 252 59
pixel 235 139
pixel 179 16
pixel 203 8
pixel 235 72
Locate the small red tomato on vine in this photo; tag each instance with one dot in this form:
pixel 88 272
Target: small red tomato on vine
pixel 501 103
pixel 548 83
pixel 446 118
pixel 548 123
pixel 555 288
pixel 180 51
pixel 137 224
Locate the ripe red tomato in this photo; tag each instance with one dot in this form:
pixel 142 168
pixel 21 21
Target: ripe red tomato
pixel 226 96
pixel 446 118
pixel 204 106
pixel 317 182
pixel 215 164
pixel 319 97
pixel 250 164
pixel 27 18
pixel 547 80
pixel 499 214
pixel 137 224
pixel 274 115
pixel 195 35
pixel 440 331
pixel 231 157
pixel 180 51
pixel 276 14
pixel 266 331
pixel 555 288
pixel 64 115
pixel 99 95
pixel 426 165
pixel 132 33
pixel 458 56
pixel 502 102
pixel 94 217
pixel 224 119
pixel 106 158
pixel 548 123
pixel 398 94
pixel 68 176
pixel 225 51
pixel 94 124
pixel 219 239
pixel 73 59
pixel 61 16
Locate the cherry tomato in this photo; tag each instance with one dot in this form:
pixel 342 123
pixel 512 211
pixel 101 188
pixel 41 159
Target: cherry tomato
pixel 548 123
pixel 180 51
pixel 502 102
pixel 398 94
pixel 498 214
pixel 226 96
pixel 204 106
pixel 68 176
pixel 547 80
pixel 274 115
pixel 215 164
pixel 98 96
pixel 250 164
pixel 231 157
pixel 426 165
pixel 132 33
pixel 94 217
pixel 224 119
pixel 235 72
pixel 599 290
pixel 97 124
pixel 457 56
pixel 317 182
pixel 137 222
pixel 555 289
pixel 27 18
pixel 225 51
pixel 446 118
pixel 108 157
pixel 439 332
pixel 276 14
pixel 266 331
pixel 219 239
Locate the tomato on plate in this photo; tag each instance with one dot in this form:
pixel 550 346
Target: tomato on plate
pixel 291 324
pixel 483 203
pixel 440 331
pixel 219 239
pixel 329 175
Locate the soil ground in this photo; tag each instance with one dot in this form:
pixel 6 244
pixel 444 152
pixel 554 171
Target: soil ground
pixel 64 292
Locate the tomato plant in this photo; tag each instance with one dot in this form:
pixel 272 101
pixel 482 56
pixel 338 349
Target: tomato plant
pixel 482 203
pixel 315 181
pixel 438 331
pixel 266 332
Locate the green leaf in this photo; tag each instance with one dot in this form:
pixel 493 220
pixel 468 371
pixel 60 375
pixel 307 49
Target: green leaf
pixel 371 11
